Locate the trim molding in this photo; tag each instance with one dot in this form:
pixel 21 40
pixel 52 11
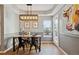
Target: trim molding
pixel 61 49
pixel 70 35
pixel 6 50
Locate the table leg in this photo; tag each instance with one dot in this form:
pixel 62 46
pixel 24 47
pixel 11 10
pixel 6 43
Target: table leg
pixel 13 44
pixel 39 44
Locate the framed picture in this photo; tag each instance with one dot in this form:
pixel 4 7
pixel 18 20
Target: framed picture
pixel 35 24
pixel 27 24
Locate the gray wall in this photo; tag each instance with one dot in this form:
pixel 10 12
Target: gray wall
pixel 68 40
pixel 70 44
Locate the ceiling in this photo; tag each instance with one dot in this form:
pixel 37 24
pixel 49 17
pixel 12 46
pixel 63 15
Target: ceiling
pixel 40 9
pixel 35 7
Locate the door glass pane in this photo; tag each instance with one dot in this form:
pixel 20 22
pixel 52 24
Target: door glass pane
pixel 47 28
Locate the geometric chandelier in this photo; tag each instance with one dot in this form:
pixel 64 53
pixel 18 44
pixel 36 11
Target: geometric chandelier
pixel 29 16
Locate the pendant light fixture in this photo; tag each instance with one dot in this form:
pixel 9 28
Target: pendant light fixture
pixel 29 16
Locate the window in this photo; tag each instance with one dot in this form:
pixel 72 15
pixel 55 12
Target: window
pixel 47 28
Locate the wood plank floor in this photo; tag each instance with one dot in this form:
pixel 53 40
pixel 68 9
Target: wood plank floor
pixel 48 48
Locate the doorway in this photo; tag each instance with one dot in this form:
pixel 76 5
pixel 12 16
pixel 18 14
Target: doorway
pixel 56 30
pixel 47 30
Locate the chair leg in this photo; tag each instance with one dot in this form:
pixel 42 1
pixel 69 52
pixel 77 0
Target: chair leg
pixel 30 48
pixel 36 48
pixel 26 45
pixel 17 49
pixel 23 48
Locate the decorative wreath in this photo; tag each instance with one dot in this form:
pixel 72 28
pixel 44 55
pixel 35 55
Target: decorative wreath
pixel 66 14
pixel 69 27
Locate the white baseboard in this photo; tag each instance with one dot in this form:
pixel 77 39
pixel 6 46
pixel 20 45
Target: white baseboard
pixel 6 50
pixel 61 50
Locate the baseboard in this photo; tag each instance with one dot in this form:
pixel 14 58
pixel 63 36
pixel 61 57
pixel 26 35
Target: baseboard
pixel 46 42
pixel 6 50
pixel 61 49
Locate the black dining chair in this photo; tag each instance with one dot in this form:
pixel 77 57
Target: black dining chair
pixel 21 43
pixel 33 42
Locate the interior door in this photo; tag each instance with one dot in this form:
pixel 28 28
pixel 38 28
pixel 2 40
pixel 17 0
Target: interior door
pixel 55 30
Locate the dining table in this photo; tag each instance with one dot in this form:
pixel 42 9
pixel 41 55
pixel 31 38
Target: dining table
pixel 15 37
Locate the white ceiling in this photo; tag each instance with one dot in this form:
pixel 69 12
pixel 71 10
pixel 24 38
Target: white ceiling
pixel 35 7
pixel 40 9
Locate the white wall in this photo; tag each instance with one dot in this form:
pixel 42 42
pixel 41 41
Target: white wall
pixel 40 24
pixel 11 25
pixel 11 20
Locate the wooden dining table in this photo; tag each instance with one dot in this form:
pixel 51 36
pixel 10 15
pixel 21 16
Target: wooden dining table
pixel 15 37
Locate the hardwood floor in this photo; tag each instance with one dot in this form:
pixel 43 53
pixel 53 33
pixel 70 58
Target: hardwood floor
pixel 48 48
